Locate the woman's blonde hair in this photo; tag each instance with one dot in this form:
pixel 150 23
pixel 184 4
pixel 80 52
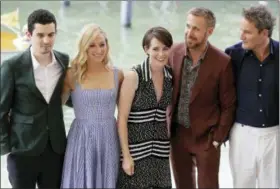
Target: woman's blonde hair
pixel 88 35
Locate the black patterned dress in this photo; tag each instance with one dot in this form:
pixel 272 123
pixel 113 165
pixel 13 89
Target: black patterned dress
pixel 147 134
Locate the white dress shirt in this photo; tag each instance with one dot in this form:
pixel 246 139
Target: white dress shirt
pixel 46 77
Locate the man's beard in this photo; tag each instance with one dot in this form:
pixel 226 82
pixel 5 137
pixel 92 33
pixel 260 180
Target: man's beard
pixel 196 45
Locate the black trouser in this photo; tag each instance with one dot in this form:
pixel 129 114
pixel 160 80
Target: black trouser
pixel 44 170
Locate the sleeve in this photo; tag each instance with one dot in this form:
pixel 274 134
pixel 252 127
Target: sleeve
pixel 6 100
pixel 227 97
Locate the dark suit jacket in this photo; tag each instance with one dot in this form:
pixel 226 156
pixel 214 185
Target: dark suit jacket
pixel 237 53
pixel 27 121
pixel 212 102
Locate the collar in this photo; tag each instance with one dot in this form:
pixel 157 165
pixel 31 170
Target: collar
pixel 35 63
pixel 147 73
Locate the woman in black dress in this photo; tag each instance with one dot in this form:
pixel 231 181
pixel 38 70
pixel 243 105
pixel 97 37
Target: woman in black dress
pixel 145 94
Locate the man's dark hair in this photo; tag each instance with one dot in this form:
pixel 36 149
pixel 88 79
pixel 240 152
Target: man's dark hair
pixel 40 16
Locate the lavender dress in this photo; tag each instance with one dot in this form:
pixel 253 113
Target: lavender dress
pixel 92 153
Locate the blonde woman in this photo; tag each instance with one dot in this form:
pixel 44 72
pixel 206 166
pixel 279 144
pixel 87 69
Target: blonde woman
pixel 92 154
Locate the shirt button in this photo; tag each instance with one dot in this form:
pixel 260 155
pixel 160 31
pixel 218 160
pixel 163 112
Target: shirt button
pixel 263 125
pixel 260 65
pixel 260 80
pixel 260 95
pixel 261 110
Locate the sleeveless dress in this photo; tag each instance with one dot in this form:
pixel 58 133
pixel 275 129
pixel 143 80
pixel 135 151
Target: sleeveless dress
pixel 93 151
pixel 148 140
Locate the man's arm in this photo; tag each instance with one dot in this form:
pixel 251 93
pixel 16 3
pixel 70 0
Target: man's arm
pixel 227 97
pixel 67 63
pixel 6 99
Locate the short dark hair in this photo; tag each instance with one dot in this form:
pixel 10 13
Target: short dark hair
pixel 160 33
pixel 40 16
pixel 261 17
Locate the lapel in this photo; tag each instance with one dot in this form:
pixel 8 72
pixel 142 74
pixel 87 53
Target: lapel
pixel 203 72
pixel 27 62
pixel 176 64
pixel 58 59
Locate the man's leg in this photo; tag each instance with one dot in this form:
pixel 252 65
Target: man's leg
pixel 268 167
pixel 208 162
pixel 182 163
pixel 22 170
pixel 243 156
pixel 51 169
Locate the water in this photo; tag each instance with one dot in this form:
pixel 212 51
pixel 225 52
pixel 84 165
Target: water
pixel 125 44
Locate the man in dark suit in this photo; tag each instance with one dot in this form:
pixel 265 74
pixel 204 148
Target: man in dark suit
pixel 203 103
pixel 254 138
pixel 31 118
